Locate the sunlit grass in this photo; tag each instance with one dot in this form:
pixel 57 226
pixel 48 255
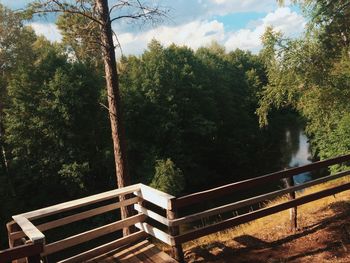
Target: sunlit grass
pixel 277 225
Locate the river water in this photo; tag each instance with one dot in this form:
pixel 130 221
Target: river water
pixel 297 152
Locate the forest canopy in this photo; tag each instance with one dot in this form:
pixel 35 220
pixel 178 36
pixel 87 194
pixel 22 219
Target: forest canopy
pixel 193 118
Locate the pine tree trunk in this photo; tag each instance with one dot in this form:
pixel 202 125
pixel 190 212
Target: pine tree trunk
pixel 111 74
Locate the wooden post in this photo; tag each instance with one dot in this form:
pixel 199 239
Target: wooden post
pixel 14 227
pixel 176 250
pixel 37 258
pixel 289 182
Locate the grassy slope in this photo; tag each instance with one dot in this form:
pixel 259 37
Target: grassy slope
pixel 323 235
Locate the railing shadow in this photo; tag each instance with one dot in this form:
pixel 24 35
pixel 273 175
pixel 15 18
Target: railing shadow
pixel 253 248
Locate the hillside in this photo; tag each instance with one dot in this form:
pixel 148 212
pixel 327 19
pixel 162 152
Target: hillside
pixel 323 235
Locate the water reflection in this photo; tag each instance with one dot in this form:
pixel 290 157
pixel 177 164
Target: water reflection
pixel 297 152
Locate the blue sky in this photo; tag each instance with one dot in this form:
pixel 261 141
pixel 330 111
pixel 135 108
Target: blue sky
pixel 195 23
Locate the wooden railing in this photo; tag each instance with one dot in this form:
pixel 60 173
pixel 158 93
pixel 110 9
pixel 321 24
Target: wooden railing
pixel 156 215
pixel 32 235
pixel 230 189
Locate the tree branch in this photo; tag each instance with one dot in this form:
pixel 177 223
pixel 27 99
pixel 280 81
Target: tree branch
pixel 47 7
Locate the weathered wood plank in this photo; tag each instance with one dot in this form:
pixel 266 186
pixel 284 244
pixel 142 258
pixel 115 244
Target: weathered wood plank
pixel 157 255
pixel 254 200
pixel 105 248
pixel 13 227
pixel 151 214
pixel 140 252
pixel 87 214
pixel 128 253
pixel 143 251
pixel 155 196
pixel 258 214
pixel 29 229
pixel 250 183
pixel 155 232
pixel 22 251
pixel 91 234
pixel 77 217
pixel 80 202
pixel 152 253
pixel 176 249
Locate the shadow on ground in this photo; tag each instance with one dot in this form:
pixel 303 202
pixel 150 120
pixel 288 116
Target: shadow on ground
pixel 325 239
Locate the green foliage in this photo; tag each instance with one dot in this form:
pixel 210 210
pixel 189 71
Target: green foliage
pixel 189 115
pixel 168 178
pixel 80 37
pixel 73 176
pixel 55 128
pixel 311 75
pixel 196 108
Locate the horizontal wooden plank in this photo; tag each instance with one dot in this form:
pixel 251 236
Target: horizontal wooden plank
pixel 19 252
pixel 151 214
pixel 258 214
pixel 13 227
pixel 77 217
pixel 87 214
pixel 156 255
pixel 254 200
pixel 124 255
pixel 143 251
pixel 105 248
pixel 155 232
pixel 29 229
pixel 80 202
pixel 250 183
pixel 91 234
pixel 155 196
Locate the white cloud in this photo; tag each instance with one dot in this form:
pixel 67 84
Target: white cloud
pixel 283 19
pixel 202 32
pixel 185 11
pixel 49 30
pixel 194 34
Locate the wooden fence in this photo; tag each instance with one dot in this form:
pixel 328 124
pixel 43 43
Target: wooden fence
pixel 156 215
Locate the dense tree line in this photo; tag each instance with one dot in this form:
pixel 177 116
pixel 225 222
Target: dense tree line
pixel 189 115
pixel 196 108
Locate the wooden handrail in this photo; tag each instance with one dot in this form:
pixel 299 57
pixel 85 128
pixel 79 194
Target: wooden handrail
pixel 29 229
pixel 155 196
pixel 97 251
pixel 92 234
pixel 155 232
pixel 254 200
pixel 59 208
pixel 151 214
pixel 19 252
pixel 250 183
pixel 258 214
pixel 77 217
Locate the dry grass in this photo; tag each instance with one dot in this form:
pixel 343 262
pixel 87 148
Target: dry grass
pixel 279 221
pixel 274 229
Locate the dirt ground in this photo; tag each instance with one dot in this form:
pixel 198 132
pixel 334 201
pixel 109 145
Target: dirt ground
pixel 323 237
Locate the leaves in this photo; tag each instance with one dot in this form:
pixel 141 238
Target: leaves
pixel 168 178
pixel 311 75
